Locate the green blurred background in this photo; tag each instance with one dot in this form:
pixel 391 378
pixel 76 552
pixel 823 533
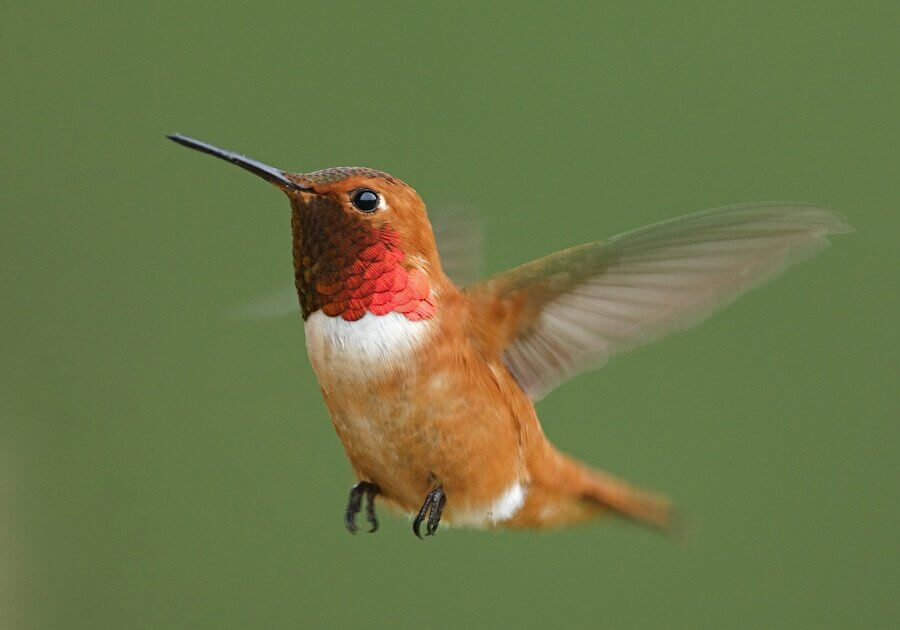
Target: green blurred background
pixel 165 466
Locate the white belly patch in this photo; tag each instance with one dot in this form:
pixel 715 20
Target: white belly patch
pixel 507 504
pixel 503 508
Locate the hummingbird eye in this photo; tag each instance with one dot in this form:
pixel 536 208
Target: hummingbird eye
pixel 365 200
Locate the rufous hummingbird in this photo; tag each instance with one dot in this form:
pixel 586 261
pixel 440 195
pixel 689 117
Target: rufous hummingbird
pixel 431 387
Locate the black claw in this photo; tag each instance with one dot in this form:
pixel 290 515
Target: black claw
pixel 418 520
pixel 433 507
pixel 354 503
pixel 370 507
pixel 435 518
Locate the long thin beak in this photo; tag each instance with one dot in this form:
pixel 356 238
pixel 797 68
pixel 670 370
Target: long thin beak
pixel 268 173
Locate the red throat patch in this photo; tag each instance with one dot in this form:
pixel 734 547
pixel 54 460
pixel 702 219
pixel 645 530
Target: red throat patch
pixel 358 273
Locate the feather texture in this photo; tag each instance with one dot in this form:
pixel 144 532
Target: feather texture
pixel 572 310
pixel 458 234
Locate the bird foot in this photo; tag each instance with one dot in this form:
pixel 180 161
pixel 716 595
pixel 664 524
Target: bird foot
pixel 354 504
pixel 433 506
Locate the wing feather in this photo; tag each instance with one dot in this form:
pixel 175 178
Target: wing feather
pixel 573 310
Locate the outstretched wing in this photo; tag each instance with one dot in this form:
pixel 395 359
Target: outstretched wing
pixel 574 309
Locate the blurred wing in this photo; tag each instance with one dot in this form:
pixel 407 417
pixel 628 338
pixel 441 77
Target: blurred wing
pixel 574 309
pixel 458 236
pixel 276 305
pixel 457 233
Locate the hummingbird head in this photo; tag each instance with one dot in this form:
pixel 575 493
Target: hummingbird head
pixel 362 243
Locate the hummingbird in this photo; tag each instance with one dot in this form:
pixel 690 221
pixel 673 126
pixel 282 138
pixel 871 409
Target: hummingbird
pixel 431 387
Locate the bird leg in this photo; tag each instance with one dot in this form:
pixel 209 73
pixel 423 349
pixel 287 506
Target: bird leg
pixel 433 506
pixel 354 503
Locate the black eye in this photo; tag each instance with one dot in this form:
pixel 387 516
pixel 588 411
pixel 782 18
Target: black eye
pixel 365 199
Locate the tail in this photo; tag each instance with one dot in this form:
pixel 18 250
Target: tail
pixel 565 491
pixel 612 493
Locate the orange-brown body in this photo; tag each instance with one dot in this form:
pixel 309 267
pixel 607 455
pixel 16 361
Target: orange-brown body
pixel 443 410
pixel 430 386
pixel 450 413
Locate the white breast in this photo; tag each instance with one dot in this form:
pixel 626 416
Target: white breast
pixel 368 344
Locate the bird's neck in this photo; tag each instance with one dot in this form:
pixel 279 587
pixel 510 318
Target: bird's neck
pixel 348 269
